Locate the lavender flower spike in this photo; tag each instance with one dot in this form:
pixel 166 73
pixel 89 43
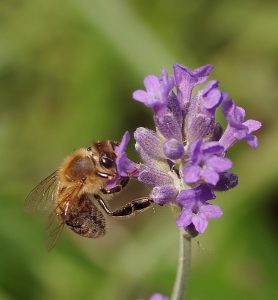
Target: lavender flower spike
pixel 237 129
pixel 186 155
pixel 185 158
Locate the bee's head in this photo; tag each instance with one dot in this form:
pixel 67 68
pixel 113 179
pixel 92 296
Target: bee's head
pixel 103 155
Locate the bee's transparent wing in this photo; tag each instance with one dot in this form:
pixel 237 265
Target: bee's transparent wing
pixel 53 230
pixel 42 197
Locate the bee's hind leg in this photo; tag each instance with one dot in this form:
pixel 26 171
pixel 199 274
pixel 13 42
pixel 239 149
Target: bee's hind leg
pixel 129 209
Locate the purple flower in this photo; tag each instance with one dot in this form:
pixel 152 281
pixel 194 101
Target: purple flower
pixel 157 91
pixel 212 96
pixel 206 162
pixel 125 167
pixel 195 209
pixel 186 80
pixel 184 158
pixel 158 297
pixel 237 129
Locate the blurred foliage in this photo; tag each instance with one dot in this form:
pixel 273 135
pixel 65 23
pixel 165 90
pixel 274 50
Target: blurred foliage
pixel 67 72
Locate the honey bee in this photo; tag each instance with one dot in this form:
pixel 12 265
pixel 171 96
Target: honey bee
pixel 69 195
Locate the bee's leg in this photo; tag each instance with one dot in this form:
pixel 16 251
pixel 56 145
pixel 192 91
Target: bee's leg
pixel 129 209
pixel 123 182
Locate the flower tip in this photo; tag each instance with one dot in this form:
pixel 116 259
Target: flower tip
pixel 208 68
pixel 141 96
pixel 126 135
pixel 227 105
pixel 158 296
pixel 124 142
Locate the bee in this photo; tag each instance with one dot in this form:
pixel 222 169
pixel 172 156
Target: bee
pixel 69 195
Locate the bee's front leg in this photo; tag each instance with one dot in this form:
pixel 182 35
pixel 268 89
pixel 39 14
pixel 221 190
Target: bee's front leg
pixel 123 182
pixel 127 210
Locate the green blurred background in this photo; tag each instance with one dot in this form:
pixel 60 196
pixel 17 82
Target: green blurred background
pixel 67 72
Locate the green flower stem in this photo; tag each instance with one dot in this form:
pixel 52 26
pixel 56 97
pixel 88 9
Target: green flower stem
pixel 183 266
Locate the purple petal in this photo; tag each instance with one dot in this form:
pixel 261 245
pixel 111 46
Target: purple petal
pixel 149 142
pixel 157 91
pixel 122 146
pixel 168 126
pixel 113 182
pixel 153 176
pixel 125 167
pixel 228 138
pixel 240 132
pixel 252 140
pixel 227 181
pixel 187 79
pixel 211 211
pixel 212 99
pixel 192 174
pixel 211 148
pixel 195 151
pixel 210 176
pixel 173 149
pixel 219 164
pixel 158 297
pixel 152 85
pixel 227 108
pixel 167 82
pixel 210 86
pixel 187 198
pixel 200 193
pixel 252 125
pixel 163 194
pixel 185 218
pixel 200 222
pixel 234 114
pixel 239 113
pixel 142 97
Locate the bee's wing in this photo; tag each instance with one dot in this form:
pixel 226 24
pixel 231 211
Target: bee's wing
pixel 56 221
pixel 53 230
pixel 42 197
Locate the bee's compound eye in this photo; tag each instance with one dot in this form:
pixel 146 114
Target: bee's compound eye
pixel 89 149
pixel 106 162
